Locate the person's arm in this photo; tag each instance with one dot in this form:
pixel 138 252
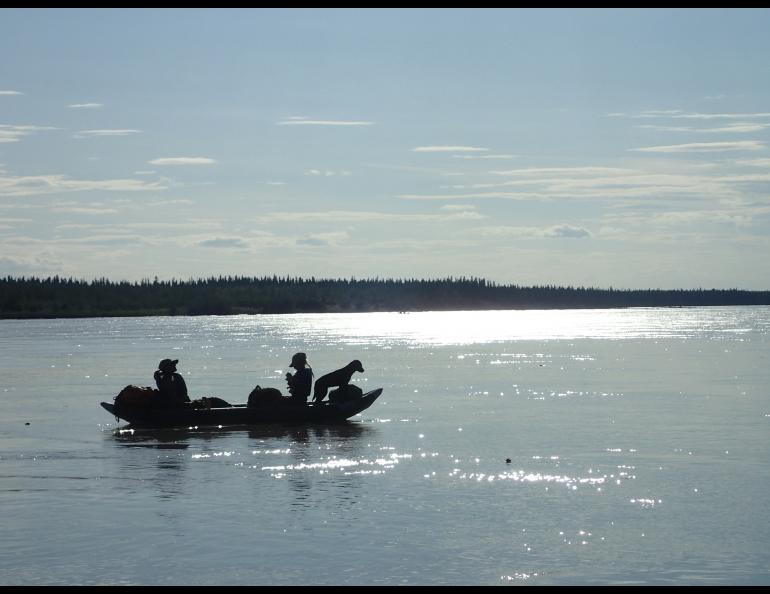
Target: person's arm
pixel 182 390
pixel 158 375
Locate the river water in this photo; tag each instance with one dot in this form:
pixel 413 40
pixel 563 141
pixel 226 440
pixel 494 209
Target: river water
pixel 508 448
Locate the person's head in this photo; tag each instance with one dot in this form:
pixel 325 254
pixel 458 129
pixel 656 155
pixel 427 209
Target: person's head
pixel 298 361
pixel 168 365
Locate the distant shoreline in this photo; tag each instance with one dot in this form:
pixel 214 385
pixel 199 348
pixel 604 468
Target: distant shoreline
pixel 55 297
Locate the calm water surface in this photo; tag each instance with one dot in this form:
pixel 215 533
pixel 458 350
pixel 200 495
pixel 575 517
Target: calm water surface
pixel 638 440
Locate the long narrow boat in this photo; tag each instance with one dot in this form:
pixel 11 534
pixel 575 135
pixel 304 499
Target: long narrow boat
pixel 240 414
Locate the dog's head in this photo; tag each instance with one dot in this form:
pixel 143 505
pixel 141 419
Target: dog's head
pixel 356 366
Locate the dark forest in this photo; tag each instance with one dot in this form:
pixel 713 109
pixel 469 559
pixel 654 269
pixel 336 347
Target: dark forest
pixel 66 297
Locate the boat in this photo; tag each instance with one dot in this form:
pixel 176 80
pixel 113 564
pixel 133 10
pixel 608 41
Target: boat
pixel 187 415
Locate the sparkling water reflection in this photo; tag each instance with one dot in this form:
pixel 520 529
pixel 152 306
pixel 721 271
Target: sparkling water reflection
pixel 585 447
pixel 471 327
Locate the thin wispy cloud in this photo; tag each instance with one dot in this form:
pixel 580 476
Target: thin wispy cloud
pixel 174 202
pixel 84 210
pixel 480 195
pixel 191 225
pixel 739 216
pixel 351 217
pixel 605 184
pixel 15 220
pixel 449 149
pixel 33 185
pixel 10 133
pixel 562 170
pixel 737 128
pixel 107 132
pixel 458 207
pixel 720 116
pixel 327 173
pixel 754 162
pixel 86 105
pixel 679 114
pixel 302 121
pixel 224 242
pixel 562 231
pixel 332 238
pixel 182 161
pixel 704 147
pixel 10 93
pixel 483 156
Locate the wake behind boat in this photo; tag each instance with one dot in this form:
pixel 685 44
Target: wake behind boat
pixel 188 415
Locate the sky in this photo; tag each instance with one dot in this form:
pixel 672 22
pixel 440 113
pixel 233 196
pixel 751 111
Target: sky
pixel 574 147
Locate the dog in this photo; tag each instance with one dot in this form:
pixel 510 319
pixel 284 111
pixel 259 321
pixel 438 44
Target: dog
pixel 340 377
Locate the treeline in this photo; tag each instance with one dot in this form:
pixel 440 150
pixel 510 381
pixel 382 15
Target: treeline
pixel 67 297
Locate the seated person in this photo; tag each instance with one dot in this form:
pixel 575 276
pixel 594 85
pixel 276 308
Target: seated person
pixel 171 385
pixel 301 382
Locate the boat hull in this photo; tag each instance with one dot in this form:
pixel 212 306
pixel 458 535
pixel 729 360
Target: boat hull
pixel 324 413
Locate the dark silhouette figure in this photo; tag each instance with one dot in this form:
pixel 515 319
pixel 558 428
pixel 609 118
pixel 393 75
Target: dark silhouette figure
pixel 260 396
pixel 338 378
pixel 171 385
pixel 301 381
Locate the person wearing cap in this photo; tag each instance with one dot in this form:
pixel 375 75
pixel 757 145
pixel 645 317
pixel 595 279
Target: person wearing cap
pixel 171 385
pixel 301 382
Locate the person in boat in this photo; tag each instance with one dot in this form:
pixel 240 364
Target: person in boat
pixel 302 380
pixel 171 385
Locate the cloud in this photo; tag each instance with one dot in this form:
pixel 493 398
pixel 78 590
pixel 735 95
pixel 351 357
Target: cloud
pixel 739 219
pixel 324 239
pixel 737 128
pixel 678 114
pixel 327 173
pixel 564 170
pixel 10 93
pixel 474 195
pixel 552 232
pixel 720 116
pixel 85 210
pixel 566 231
pixel 460 207
pixel 86 106
pixel 51 184
pixel 7 223
pixel 619 185
pixel 9 133
pixel 754 162
pixel 174 202
pixel 26 264
pixel 739 216
pixel 483 156
pixel 338 216
pixel 182 161
pixel 301 121
pixel 448 149
pixel 95 133
pixel 224 242
pixel 7 220
pixel 704 147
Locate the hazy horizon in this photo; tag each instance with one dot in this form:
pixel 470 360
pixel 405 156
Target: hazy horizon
pixel 623 148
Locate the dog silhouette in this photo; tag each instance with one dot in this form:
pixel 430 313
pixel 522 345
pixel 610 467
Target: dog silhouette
pixel 340 377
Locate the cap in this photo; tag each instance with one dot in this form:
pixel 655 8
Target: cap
pixel 298 358
pixel 168 364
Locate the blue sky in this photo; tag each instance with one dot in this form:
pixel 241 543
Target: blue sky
pixel 589 147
